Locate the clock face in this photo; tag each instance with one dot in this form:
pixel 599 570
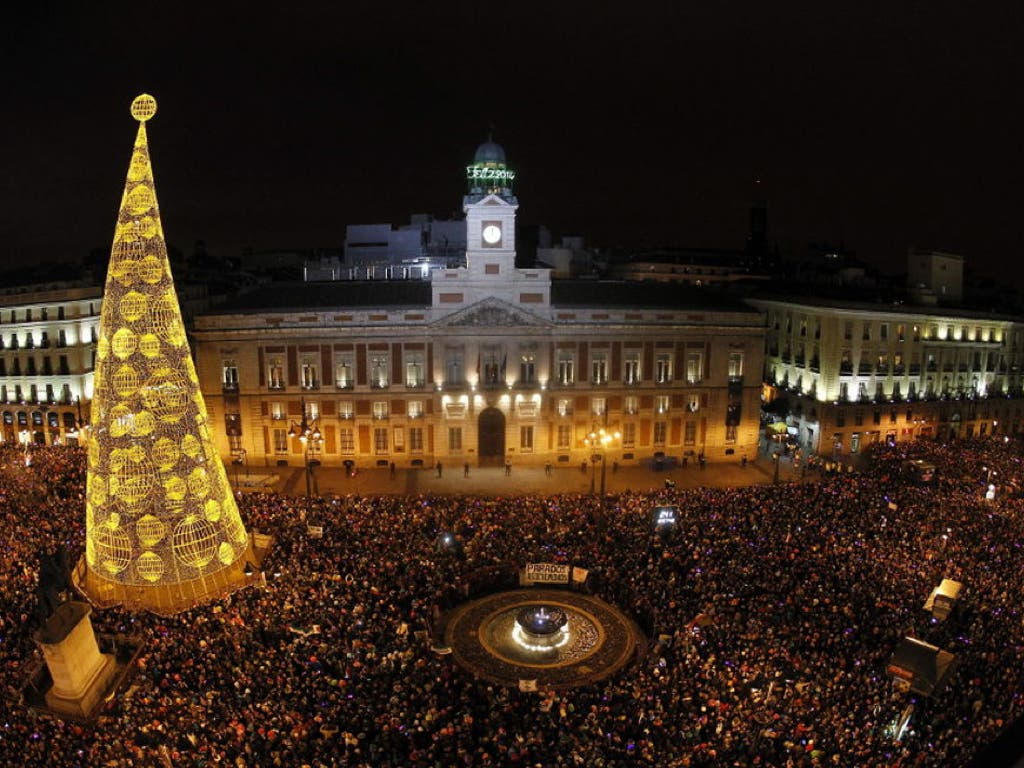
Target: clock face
pixel 491 234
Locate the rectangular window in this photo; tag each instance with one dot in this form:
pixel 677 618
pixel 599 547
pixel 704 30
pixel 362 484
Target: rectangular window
pixel 347 439
pixel 661 404
pixel 597 406
pixel 399 438
pixel 275 373
pixel 526 439
pixel 566 372
pixel 312 410
pixel 690 433
pixel 631 368
pixel 663 368
pixel 631 404
pixel 414 370
pixel 660 430
pixel 564 406
pixel 493 369
pixel 380 409
pixel 344 373
pixel 454 438
pixel 454 373
pixel 527 371
pixel 309 371
pixel 693 403
pixel 379 374
pixel 628 434
pixel 564 436
pixel 280 440
pixel 416 439
pixel 599 369
pixel 415 409
pixel 866 335
pixel 380 440
pixel 345 410
pixel 735 366
pixel 730 433
pixel 694 367
pixel 883 331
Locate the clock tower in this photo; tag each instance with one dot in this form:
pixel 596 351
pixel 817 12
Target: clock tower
pixel 490 208
pixel 490 272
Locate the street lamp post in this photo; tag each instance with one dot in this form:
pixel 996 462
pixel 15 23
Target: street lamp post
pixel 239 460
pixel 599 440
pixel 775 458
pixel 80 426
pixel 308 433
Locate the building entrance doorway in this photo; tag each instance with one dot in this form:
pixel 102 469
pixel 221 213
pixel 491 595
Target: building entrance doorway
pixel 491 437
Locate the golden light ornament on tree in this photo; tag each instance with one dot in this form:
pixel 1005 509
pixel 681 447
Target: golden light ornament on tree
pixel 195 541
pixel 162 528
pixel 150 530
pixel 112 546
pixel 149 270
pixel 150 566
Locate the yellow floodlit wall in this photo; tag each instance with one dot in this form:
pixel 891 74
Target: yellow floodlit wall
pixel 162 528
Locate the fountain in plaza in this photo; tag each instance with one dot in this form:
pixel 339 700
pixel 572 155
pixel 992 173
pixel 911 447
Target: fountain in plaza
pixel 541 628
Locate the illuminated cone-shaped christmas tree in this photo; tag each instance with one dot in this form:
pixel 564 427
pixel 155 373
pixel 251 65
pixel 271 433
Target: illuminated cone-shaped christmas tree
pixel 163 532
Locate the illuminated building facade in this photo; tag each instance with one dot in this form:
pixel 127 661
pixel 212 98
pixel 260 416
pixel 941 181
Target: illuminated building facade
pixel 47 354
pixel 859 373
pixel 482 363
pixel 162 529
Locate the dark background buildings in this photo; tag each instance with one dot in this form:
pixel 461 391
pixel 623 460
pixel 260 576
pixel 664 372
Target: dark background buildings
pixel 877 126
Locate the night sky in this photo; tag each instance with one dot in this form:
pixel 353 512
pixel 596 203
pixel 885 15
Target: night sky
pixel 879 125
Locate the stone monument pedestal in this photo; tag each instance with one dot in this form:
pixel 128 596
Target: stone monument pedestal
pixel 80 673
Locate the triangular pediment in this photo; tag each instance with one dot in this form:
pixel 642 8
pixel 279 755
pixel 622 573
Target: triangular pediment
pixel 491 313
pixel 492 200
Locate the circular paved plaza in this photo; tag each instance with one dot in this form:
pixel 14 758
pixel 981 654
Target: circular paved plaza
pixel 486 640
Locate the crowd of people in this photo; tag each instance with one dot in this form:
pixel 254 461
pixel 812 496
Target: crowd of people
pixel 771 613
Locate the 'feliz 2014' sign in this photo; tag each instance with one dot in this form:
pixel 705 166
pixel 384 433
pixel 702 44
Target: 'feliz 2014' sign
pixel 489 174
